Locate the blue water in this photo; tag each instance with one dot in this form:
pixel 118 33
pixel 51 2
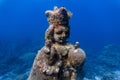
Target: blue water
pixel 95 24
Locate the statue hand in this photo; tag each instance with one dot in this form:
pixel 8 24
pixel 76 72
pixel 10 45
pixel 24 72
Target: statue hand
pixel 55 69
pixel 51 70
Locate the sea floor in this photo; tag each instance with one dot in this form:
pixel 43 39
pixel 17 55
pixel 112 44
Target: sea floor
pixel 102 65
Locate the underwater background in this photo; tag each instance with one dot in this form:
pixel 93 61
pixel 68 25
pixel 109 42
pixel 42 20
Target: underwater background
pixel 95 24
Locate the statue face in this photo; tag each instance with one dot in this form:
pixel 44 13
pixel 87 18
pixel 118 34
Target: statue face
pixel 61 33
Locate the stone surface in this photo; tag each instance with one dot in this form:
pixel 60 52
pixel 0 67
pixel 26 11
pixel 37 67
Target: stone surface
pixel 58 59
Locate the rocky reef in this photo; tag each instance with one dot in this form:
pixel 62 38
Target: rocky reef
pixel 105 64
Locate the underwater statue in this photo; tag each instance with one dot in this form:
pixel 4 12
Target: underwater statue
pixel 58 59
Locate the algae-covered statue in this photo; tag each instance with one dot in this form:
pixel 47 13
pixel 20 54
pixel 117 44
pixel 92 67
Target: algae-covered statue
pixel 58 59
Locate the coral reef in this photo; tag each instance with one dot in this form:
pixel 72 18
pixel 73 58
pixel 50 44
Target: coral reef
pixel 58 59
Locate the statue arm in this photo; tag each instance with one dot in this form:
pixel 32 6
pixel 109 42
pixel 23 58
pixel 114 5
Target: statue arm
pixel 44 67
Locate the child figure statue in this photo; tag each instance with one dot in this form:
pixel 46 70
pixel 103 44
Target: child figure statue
pixel 58 59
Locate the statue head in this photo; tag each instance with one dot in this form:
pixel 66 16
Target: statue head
pixel 61 33
pixel 59 24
